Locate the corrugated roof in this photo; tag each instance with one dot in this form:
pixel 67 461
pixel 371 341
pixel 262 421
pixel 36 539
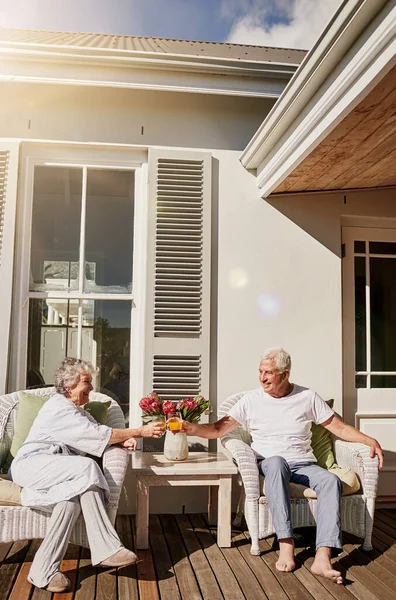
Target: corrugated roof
pixel 152 45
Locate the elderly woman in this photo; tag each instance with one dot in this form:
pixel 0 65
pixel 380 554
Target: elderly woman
pixel 55 474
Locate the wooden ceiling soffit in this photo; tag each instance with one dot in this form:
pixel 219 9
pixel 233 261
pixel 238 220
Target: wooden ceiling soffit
pixel 360 152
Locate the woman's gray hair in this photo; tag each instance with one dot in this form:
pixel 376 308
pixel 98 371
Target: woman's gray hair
pixel 69 371
pixel 280 357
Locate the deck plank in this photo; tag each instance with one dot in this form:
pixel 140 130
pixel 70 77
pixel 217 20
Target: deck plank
pixel 4 549
pixel 147 580
pixel 10 567
pixel 385 528
pixel 226 579
pixel 106 584
pixel 208 585
pixel 248 582
pixel 167 582
pixel 22 589
pixel 86 577
pixel 186 579
pixel 375 577
pixel 378 564
pixel 126 576
pixel 69 566
pixel 263 573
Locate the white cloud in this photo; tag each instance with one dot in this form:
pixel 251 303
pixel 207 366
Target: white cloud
pixel 299 25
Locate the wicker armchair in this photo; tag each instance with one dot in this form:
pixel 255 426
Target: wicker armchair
pixel 23 523
pixel 357 510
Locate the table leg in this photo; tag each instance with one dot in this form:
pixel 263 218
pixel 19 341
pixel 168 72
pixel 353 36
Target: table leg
pixel 213 504
pixel 142 514
pixel 224 512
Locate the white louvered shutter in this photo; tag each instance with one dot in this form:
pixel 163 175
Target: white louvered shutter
pixel 8 194
pixel 178 271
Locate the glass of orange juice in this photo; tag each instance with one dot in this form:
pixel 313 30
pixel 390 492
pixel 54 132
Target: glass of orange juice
pixel 174 423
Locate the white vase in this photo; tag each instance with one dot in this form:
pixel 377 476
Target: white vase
pixel 176 446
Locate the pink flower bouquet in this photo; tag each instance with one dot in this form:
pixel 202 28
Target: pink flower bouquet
pixel 189 409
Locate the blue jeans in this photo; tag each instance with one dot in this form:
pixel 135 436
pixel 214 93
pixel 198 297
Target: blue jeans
pixel 328 487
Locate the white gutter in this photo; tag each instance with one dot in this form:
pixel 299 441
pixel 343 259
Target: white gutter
pixel 354 51
pixel 145 71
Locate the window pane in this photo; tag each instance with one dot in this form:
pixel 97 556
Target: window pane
pixel 360 247
pixel 111 347
pixel 360 313
pixel 382 248
pixel 52 336
pixel 361 381
pixel 109 231
pixel 383 381
pixel 55 228
pixel 383 314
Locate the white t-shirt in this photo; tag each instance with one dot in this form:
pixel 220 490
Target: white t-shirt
pixel 281 426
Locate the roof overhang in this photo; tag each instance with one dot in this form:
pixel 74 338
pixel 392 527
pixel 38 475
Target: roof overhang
pixel 355 52
pixel 100 67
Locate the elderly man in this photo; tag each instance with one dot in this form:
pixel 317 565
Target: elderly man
pixel 278 416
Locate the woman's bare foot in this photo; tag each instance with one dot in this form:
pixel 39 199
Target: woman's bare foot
pixel 285 561
pixel 322 566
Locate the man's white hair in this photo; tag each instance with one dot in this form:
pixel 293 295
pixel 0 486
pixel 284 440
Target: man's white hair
pixel 280 357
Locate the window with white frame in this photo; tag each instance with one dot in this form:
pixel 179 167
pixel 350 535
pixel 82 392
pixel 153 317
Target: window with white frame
pixel 81 267
pixel 112 264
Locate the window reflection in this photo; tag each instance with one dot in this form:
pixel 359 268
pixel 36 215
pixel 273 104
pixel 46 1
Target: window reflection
pixel 109 230
pixel 56 216
pixel 383 314
pixel 112 332
pixel 105 338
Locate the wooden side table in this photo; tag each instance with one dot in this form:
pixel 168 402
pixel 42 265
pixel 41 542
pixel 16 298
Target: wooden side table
pixel 201 468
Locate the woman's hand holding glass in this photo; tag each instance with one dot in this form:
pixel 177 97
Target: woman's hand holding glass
pixel 155 429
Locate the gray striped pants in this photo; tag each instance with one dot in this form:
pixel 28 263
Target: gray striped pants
pixel 328 487
pixel 102 538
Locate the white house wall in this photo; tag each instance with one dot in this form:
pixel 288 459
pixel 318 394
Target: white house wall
pixel 117 116
pixel 276 264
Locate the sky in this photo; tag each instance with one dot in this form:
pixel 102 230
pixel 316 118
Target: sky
pixel 280 23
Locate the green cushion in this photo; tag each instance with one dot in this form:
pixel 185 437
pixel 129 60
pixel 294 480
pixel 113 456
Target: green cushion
pixel 322 444
pixel 99 411
pixel 29 406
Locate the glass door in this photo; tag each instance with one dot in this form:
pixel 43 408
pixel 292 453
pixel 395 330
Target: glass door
pixel 369 334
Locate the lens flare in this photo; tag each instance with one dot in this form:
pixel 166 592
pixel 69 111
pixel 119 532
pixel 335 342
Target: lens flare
pixel 269 305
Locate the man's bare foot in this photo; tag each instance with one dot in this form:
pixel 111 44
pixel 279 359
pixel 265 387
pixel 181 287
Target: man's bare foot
pixel 285 561
pixel 322 566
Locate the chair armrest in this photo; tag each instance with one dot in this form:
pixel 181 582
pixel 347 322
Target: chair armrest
pixel 115 458
pixel 357 458
pixel 114 464
pixel 245 459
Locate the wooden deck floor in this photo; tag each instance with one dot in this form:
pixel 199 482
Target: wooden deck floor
pixel 185 563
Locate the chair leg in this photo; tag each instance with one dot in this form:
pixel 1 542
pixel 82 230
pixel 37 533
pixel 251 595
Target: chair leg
pixel 370 508
pixel 239 512
pixel 252 520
